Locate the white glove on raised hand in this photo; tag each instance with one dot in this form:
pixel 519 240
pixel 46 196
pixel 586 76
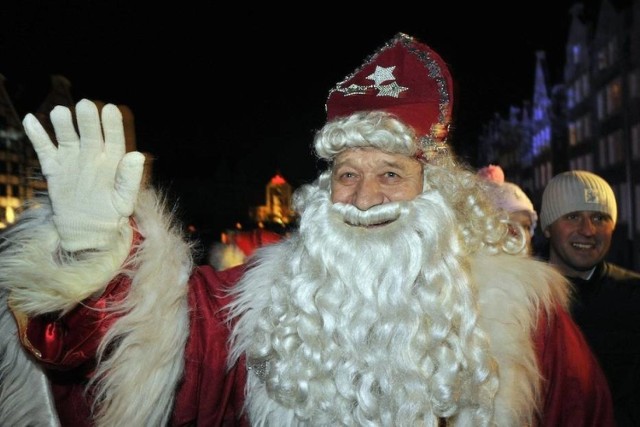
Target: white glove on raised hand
pixel 93 184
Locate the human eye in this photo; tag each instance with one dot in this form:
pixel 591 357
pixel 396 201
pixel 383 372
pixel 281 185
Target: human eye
pixel 599 218
pixel 390 177
pixel 346 176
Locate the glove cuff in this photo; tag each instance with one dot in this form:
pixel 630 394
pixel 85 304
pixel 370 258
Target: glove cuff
pixel 82 232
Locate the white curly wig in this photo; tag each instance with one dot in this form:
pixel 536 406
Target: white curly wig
pixel 342 336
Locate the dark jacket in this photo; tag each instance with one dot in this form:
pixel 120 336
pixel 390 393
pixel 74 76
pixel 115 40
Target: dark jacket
pixel 607 309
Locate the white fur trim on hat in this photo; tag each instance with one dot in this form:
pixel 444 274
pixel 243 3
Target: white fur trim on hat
pixel 576 191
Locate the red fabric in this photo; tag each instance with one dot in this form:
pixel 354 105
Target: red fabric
pixel 71 341
pixel 575 391
pixel 249 241
pixel 209 395
pixel 426 94
pixel 67 347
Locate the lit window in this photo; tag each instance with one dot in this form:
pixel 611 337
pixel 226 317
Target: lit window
pixel 575 54
pixel 614 96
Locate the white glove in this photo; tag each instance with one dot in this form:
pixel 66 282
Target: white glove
pixel 93 184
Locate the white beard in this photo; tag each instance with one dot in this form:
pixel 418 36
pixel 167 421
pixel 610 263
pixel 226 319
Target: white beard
pixel 353 325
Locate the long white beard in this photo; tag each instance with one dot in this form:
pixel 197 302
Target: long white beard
pixel 354 325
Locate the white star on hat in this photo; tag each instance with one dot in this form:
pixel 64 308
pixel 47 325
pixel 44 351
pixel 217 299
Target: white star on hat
pixel 382 74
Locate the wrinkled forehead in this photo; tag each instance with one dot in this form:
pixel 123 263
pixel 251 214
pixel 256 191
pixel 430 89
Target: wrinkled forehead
pixel 372 155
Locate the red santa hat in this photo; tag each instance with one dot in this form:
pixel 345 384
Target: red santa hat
pixel 406 78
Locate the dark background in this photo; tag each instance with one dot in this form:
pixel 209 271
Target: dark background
pixel 226 96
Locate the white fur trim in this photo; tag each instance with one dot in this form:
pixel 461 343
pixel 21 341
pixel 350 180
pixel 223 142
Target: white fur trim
pixel 136 382
pixel 142 372
pixel 41 277
pixel 25 395
pixel 512 292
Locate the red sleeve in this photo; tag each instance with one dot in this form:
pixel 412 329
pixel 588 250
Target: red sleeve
pixel 64 343
pixel 210 393
pixel 67 342
pixel 575 391
pixel 67 346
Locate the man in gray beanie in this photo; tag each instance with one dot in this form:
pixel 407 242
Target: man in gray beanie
pixel 578 217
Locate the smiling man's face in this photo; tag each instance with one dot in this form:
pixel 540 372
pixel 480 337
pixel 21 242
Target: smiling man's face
pixel 579 240
pixel 367 177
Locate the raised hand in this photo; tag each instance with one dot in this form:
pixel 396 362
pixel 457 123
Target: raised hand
pixel 93 184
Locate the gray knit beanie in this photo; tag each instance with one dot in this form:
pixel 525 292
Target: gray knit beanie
pixel 576 191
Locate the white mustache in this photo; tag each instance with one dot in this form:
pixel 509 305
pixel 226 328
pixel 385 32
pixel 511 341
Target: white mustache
pixel 377 215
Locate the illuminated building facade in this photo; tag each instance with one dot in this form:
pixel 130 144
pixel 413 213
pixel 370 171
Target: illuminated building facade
pixel 589 120
pixel 277 209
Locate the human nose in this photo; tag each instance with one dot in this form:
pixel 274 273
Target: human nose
pixel 587 227
pixel 368 194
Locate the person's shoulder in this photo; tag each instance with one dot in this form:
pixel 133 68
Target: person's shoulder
pixel 621 274
pixel 522 278
pixel 621 282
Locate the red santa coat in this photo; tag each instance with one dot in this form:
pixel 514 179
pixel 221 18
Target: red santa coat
pixel 208 394
pixel 202 389
pixel 575 391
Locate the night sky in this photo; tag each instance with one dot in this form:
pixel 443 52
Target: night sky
pixel 225 98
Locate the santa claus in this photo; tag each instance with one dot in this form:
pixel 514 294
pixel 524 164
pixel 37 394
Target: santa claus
pixel 401 300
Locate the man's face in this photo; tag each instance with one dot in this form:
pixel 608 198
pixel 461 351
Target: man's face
pixel 367 177
pixel 579 240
